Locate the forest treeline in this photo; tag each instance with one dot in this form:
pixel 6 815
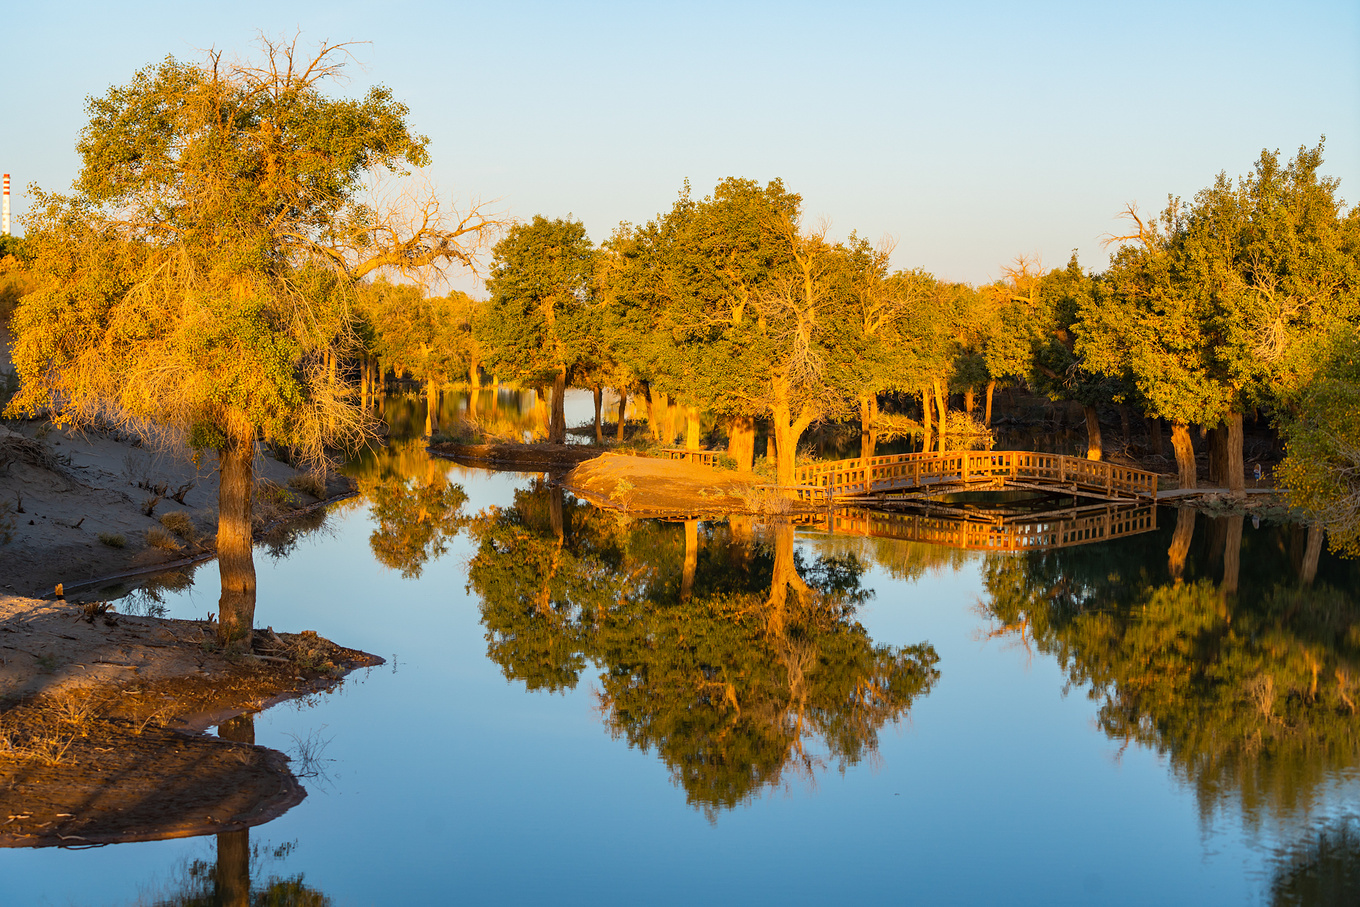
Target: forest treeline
pixel 728 308
pixel 1240 302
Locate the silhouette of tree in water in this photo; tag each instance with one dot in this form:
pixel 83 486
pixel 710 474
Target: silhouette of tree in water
pixel 730 677
pixel 1245 673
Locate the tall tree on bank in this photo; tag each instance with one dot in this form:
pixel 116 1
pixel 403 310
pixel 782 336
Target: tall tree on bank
pixel 1217 305
pixel 536 327
pixel 197 286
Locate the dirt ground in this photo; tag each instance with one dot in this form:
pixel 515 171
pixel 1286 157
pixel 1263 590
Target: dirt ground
pixel 552 457
pixel 99 715
pixel 73 506
pixel 674 489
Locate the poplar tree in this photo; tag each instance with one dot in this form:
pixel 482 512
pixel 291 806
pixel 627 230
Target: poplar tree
pixel 196 286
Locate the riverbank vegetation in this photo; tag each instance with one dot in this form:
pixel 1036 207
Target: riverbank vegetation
pixel 220 278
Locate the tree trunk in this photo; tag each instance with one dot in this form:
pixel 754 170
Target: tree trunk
pixel 599 414
pixel 771 448
pixel 1235 467
pixel 232 876
pixel 741 441
pixel 1155 445
pixel 363 384
pixel 1180 542
pixel 942 403
pixel 868 438
pixel 927 438
pixel 557 431
pixel 1185 454
pixel 1218 457
pixel 623 413
pixel 691 559
pixel 692 428
pixel 654 399
pixel 1124 425
pixel 431 406
pixel 1311 554
pixel 474 376
pixel 987 419
pixel 1232 554
pixel 235 554
pixel 1094 449
pixel 787 433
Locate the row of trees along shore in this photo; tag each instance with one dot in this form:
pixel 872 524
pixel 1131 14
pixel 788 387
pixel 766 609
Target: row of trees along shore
pixel 1243 300
pixel 223 274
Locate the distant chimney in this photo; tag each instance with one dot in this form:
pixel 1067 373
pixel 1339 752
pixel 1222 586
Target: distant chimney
pixel 4 215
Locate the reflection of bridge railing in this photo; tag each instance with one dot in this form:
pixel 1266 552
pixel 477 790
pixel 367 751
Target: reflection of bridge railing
pixel 904 474
pixel 1032 532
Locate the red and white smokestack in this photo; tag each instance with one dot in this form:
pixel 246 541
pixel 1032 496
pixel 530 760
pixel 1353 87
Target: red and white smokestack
pixel 4 214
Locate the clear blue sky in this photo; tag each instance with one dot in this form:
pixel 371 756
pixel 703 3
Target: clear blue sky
pixel 971 131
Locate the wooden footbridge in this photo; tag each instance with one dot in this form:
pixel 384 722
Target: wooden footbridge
pixel 998 532
pixel 908 477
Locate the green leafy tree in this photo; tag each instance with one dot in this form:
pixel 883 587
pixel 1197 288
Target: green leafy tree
pixel 197 285
pixel 1322 468
pixel 1219 304
pixel 537 326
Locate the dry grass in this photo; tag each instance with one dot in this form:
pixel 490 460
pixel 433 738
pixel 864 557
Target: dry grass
pixel 157 537
pixel 311 483
pixel 181 524
pixel 113 539
pixel 45 729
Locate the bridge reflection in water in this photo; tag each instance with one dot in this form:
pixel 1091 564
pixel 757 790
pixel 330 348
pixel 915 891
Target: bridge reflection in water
pixel 983 530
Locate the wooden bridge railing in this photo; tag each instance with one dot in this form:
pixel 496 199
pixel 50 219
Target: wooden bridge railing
pixel 1015 468
pixel 1059 530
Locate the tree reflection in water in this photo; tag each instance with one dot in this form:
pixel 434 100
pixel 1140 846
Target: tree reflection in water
pixel 729 658
pixel 1240 661
pixel 234 879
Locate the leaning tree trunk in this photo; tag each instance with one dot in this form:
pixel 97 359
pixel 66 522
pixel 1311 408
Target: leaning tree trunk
pixel 623 412
pixel 741 441
pixel 557 431
pixel 987 417
pixel 1185 454
pixel 1233 462
pixel 1094 448
pixel 235 555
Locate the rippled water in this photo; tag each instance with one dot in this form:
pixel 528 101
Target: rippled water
pixel 582 709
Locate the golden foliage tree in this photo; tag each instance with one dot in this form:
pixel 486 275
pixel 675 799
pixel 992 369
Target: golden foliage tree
pixel 196 286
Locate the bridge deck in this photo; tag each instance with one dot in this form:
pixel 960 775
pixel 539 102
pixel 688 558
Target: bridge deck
pixel 906 475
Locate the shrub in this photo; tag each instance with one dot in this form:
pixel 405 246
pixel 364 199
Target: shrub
pixel 181 524
pixel 112 539
pixel 157 537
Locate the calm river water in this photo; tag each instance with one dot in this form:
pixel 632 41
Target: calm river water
pixel 574 711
